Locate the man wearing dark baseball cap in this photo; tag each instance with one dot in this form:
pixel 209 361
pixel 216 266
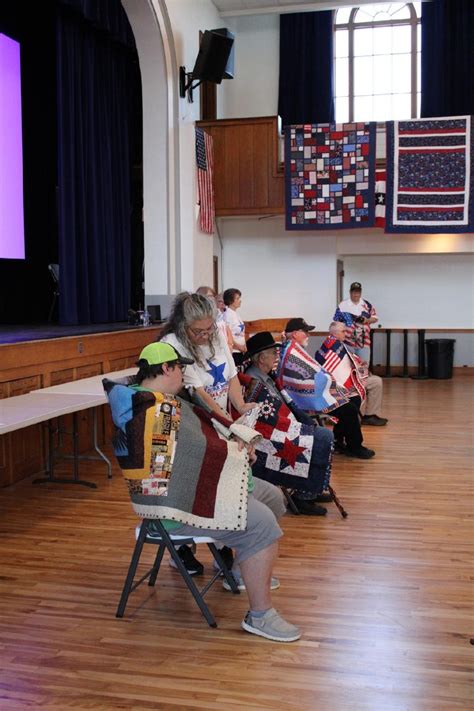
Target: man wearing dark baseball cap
pixel 357 314
pixel 315 390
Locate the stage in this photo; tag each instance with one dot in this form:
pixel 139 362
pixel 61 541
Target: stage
pixel 20 333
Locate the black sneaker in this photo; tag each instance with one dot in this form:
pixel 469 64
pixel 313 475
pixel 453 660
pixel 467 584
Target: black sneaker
pixel 374 420
pixel 192 565
pixel 323 499
pixel 361 453
pixel 227 557
pixel 309 508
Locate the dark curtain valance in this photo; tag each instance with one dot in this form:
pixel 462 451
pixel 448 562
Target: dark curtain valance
pixel 104 15
pixel 96 79
pixel 306 92
pixel 447 58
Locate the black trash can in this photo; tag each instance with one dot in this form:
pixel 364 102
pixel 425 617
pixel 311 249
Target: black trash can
pixel 440 354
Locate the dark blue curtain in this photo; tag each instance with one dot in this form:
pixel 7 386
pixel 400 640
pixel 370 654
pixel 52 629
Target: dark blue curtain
pixel 306 92
pixel 447 58
pixel 95 74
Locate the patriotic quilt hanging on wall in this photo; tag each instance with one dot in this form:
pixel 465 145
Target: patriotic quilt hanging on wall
pixel 329 176
pixel 429 175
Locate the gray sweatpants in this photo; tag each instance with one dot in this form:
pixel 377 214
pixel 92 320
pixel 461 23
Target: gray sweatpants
pixel 265 504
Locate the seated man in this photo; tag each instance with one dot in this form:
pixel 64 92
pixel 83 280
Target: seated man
pixel 351 372
pixel 180 470
pixel 295 452
pixel 303 379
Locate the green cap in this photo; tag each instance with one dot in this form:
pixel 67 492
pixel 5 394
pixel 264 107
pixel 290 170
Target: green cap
pixel 157 353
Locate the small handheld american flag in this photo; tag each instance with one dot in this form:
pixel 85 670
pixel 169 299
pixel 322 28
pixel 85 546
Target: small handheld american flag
pixel 204 163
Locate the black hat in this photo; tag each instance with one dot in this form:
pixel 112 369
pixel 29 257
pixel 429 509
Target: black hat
pixel 356 286
pixel 298 324
pixel 260 342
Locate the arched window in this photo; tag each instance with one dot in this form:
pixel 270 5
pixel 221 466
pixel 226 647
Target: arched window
pixel 377 57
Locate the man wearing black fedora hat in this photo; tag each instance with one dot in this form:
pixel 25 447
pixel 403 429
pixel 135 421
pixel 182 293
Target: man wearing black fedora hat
pixel 295 453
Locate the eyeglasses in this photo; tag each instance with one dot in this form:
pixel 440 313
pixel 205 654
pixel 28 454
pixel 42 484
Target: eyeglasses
pixel 181 366
pixel 199 332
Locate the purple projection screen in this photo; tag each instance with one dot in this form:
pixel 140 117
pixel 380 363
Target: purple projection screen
pixel 12 234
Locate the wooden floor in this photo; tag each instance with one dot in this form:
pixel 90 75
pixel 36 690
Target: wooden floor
pixel 384 597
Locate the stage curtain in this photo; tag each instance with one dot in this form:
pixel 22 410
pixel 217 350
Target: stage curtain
pixel 306 93
pixel 447 58
pixel 94 84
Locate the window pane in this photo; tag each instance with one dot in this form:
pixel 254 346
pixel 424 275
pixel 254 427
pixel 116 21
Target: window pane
pixel 383 74
pixel 342 109
pixel 401 39
pixel 342 43
pixel 399 13
pixel 342 15
pixel 342 77
pixel 382 40
pixel 383 107
pixel 363 108
pixel 363 75
pixel 401 106
pixel 417 6
pixel 363 42
pixel 401 73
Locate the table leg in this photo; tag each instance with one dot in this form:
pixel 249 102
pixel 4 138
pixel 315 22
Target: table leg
pixel 388 370
pixel 405 353
pixel 421 375
pixel 75 457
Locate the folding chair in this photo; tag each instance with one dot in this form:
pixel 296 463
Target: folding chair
pixel 165 541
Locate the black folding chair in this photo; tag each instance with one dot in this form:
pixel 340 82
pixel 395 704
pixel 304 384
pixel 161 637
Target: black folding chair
pixel 160 537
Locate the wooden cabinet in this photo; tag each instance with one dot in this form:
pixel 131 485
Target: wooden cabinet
pixel 248 178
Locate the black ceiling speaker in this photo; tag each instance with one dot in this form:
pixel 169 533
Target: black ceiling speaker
pixel 213 56
pixel 229 68
pixel 215 61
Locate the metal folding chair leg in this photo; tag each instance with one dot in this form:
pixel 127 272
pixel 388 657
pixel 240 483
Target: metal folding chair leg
pixel 165 542
pixel 127 588
pixel 291 503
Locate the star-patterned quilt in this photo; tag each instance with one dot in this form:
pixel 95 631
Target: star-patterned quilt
pixel 291 454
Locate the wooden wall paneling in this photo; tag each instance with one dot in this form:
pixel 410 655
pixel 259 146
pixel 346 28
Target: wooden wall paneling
pixel 36 364
pixel 260 165
pixel 22 386
pixel 88 371
pixel 248 179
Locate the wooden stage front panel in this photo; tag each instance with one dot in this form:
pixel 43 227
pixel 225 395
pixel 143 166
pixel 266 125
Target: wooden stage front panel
pixel 38 364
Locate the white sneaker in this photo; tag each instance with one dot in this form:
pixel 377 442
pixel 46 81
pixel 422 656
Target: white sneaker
pixel 271 626
pixel 274 585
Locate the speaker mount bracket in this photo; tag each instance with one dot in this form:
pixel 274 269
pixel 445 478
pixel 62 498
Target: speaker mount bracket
pixel 186 84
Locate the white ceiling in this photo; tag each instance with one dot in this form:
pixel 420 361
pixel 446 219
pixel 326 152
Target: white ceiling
pixel 233 8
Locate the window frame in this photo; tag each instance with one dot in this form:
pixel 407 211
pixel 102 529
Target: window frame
pixel 414 21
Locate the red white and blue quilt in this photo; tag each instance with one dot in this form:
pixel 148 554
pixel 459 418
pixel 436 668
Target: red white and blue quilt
pixel 330 176
pixel 429 175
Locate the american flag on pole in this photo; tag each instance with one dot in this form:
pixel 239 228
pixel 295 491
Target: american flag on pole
pixel 204 163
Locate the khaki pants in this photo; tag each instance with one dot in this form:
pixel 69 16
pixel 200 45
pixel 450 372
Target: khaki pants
pixel 374 394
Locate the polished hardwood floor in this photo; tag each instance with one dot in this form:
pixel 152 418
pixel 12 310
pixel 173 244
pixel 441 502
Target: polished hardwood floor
pixel 384 597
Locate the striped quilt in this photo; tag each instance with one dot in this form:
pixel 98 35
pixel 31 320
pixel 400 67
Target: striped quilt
pixel 307 384
pixel 175 464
